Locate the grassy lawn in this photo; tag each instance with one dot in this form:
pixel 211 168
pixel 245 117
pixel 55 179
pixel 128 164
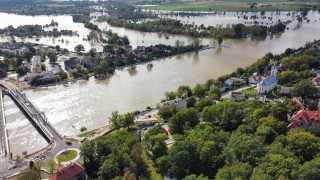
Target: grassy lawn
pixel 85 134
pixel 225 99
pixel 234 5
pixel 69 155
pixel 250 92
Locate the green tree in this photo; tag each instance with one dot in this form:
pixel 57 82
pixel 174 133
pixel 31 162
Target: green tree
pixel 158 145
pixel 219 39
pixel 52 165
pixel 93 52
pixel 199 91
pixel 116 120
pixel 28 174
pixel 128 120
pixel 183 120
pixel 305 89
pixel 165 112
pixel 184 92
pixel 79 48
pixel 195 177
pixel 237 170
pixel 244 148
pixel 109 169
pixel 309 170
pixel 182 159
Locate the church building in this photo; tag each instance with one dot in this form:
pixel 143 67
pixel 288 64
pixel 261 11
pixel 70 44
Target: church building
pixel 269 83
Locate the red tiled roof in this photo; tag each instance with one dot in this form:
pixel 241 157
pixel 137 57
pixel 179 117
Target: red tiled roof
pixel 66 172
pixel 316 79
pixel 306 116
pixel 292 125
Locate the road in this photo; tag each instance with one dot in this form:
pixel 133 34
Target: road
pixel 6 165
pixel 228 93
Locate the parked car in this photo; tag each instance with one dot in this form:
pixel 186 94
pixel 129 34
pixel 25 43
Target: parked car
pixel 83 139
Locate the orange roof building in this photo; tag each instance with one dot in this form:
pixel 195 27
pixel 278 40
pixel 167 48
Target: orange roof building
pixel 73 171
pixel 305 119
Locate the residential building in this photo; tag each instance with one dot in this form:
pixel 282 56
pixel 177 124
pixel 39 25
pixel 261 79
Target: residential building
pixel 128 48
pixel 71 63
pixel 179 103
pixel 305 119
pixel 232 80
pixel 73 171
pixel 44 76
pixel 285 90
pixel 89 61
pixel 269 83
pixel 255 78
pixel 316 45
pixel 222 86
pixel 237 97
pixel 316 80
pixel 146 121
pixel 260 97
pixel 36 64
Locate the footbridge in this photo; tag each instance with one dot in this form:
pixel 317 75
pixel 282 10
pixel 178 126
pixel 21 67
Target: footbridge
pixel 37 118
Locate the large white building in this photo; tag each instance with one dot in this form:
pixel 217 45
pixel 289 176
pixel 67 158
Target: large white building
pixel 269 83
pixel 179 103
pixel 36 64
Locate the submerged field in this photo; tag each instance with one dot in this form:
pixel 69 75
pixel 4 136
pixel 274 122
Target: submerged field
pixel 236 6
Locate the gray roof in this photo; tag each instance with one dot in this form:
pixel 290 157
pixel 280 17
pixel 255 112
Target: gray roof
pixel 268 81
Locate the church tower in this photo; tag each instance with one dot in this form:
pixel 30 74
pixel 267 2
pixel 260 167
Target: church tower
pixel 274 70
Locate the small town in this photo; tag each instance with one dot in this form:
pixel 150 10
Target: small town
pixel 172 90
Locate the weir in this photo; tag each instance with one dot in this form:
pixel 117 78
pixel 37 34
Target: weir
pixel 37 118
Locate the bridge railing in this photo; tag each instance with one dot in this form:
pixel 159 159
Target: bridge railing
pixel 38 117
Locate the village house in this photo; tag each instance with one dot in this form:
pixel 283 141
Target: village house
pixel 71 63
pixel 237 97
pixel 128 48
pixel 255 78
pixel 316 80
pixel 73 171
pixel 89 61
pixel 43 77
pixel 285 90
pixel 222 86
pixel 269 83
pixel 232 80
pixel 36 64
pixel 146 121
pixel 179 103
pixel 305 119
pixel 316 45
pixel 260 97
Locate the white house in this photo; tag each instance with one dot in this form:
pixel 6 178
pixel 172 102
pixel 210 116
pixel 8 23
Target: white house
pixel 269 83
pixel 222 86
pixel 230 81
pixel 179 103
pixel 285 90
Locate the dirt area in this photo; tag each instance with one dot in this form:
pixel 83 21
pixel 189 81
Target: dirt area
pixel 19 84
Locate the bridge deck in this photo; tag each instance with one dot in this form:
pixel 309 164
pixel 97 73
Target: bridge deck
pixel 38 118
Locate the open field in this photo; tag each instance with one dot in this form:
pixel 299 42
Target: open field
pixel 235 5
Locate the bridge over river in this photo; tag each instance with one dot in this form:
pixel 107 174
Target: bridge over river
pixel 39 121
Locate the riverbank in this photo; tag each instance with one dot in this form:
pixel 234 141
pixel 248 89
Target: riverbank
pixel 24 86
pixel 234 6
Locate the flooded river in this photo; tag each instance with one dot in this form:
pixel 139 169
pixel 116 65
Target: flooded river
pixel 90 103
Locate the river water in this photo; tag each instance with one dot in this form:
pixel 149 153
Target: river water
pixel 90 103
